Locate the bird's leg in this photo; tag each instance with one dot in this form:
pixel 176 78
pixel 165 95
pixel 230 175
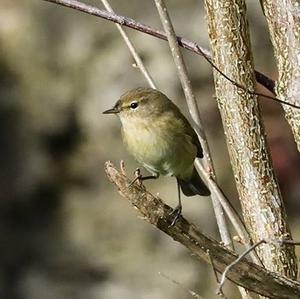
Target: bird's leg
pixel 139 178
pixel 177 211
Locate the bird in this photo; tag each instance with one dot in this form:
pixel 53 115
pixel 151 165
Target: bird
pixel 161 139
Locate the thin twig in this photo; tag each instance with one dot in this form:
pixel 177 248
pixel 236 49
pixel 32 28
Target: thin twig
pixel 238 85
pixel 194 111
pixel 246 252
pixel 228 268
pixel 236 221
pixel 186 44
pixel 211 260
pixel 132 49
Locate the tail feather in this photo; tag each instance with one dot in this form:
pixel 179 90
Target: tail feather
pixel 194 186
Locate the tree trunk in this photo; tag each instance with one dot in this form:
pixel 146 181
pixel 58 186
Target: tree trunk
pixel 261 201
pixel 283 17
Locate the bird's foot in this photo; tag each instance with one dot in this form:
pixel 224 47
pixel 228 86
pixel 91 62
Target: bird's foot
pixel 137 178
pixel 177 213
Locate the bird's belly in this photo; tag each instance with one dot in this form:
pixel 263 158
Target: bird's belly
pixel 165 154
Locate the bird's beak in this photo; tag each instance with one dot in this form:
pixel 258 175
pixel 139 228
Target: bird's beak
pixel 111 111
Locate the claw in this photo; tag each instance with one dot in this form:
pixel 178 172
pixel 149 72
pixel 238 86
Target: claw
pixel 177 212
pixel 138 178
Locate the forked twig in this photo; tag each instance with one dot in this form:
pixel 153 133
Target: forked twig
pixel 211 260
pixel 246 252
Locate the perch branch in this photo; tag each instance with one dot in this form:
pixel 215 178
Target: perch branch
pixel 244 273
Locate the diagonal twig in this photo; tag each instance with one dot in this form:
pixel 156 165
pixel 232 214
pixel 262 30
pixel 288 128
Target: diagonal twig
pixel 132 49
pixel 189 45
pixel 194 111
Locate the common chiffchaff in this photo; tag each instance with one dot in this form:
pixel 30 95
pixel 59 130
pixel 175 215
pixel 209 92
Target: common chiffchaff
pixel 158 135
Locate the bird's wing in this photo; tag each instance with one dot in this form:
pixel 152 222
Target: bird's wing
pixel 188 129
pixel 191 132
pixel 196 141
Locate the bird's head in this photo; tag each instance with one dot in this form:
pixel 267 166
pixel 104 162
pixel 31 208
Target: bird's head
pixel 139 104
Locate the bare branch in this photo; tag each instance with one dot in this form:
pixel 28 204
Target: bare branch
pixel 211 261
pixel 128 22
pixel 252 92
pixel 245 273
pixel 194 111
pixel 132 49
pixel 227 269
pixel 236 221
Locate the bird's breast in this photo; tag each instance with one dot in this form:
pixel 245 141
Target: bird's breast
pixel 159 147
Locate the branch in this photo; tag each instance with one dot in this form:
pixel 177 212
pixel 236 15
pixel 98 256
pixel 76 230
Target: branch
pixel 194 111
pixel 236 221
pixel 132 49
pixel 128 22
pixel 245 273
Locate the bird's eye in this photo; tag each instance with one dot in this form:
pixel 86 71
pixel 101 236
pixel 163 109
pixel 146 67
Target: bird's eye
pixel 134 105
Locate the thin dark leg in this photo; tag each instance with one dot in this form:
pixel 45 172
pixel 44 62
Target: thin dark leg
pixel 177 211
pixel 149 177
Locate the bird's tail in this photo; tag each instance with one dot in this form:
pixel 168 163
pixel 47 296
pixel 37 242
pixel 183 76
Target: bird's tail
pixel 194 186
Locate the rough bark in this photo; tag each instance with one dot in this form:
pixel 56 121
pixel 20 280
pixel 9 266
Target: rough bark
pixel 283 17
pixel 244 273
pixel 261 201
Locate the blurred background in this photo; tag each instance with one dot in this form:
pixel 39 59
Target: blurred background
pixel 65 232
